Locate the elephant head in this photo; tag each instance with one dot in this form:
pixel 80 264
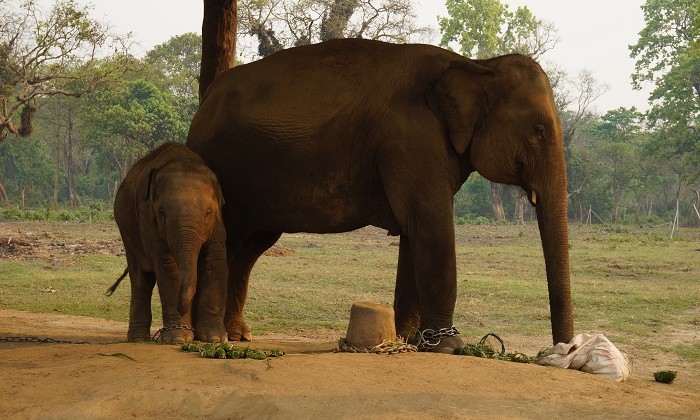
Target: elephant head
pixel 502 120
pixel 186 200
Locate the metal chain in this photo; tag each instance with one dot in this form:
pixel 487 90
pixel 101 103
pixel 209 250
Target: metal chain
pixel 38 340
pixel 158 333
pixel 428 339
pixel 386 347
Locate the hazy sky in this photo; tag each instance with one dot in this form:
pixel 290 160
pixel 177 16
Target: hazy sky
pixel 595 34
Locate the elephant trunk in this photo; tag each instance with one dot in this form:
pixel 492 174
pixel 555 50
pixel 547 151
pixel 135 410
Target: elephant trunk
pixel 187 257
pixel 553 224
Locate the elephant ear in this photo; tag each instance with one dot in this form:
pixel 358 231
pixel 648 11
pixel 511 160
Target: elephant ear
pixel 220 197
pixel 146 189
pixel 459 100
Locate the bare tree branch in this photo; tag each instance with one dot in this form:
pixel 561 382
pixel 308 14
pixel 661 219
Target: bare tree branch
pixel 44 54
pixel 302 22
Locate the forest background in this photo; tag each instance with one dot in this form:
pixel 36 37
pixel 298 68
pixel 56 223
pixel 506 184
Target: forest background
pixel 78 107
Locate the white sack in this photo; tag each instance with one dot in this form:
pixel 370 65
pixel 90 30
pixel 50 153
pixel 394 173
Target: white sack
pixel 592 353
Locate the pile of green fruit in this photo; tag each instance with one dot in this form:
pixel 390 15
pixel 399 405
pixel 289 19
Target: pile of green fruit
pixel 229 351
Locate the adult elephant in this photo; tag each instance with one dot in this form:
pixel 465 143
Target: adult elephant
pixel 348 133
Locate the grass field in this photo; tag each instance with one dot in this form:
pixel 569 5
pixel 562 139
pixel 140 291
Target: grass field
pixel 635 285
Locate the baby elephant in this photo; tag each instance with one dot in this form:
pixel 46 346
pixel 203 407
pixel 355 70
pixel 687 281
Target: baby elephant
pixel 168 209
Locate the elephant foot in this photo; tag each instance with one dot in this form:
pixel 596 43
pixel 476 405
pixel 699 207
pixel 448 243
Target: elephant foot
pixel 175 336
pixel 447 340
pixel 212 335
pixel 138 336
pixel 448 345
pixel 239 331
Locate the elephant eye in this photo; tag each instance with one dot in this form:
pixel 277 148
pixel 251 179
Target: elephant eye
pixel 161 214
pixel 540 131
pixel 207 213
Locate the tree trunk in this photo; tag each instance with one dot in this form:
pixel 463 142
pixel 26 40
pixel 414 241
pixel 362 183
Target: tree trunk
pixel 520 200
pixel 267 42
pixel 57 169
pixel 218 40
pixel 74 198
pixel 3 195
pixel 336 20
pixel 496 203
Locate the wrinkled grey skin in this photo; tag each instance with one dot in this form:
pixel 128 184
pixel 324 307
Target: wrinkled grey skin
pixel 168 209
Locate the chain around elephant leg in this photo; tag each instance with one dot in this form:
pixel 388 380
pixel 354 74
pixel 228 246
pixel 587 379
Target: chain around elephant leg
pixel 174 334
pixel 443 340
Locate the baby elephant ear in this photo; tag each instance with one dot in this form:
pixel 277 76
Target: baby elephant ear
pixel 220 196
pixel 146 189
pixel 459 99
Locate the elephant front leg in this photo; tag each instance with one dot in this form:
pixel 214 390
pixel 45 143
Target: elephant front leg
pixel 435 268
pixel 140 317
pixel 240 265
pixel 177 328
pixel 210 299
pixel 406 304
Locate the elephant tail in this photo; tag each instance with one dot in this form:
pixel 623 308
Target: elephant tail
pixel 116 284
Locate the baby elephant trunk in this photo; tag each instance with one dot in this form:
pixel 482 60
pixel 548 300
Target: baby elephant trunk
pixel 187 263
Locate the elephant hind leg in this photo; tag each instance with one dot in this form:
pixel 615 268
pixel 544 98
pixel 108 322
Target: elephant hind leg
pixel 140 317
pixel 240 264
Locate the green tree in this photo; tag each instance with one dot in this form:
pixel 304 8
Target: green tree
pixel 618 152
pixel 139 111
pixel 668 56
pixel 486 28
pixel 26 167
pixel 123 122
pixel 63 128
pixel 471 201
pixel 44 54
pixel 174 67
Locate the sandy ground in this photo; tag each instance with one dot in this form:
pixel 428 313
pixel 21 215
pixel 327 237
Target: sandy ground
pixel 87 381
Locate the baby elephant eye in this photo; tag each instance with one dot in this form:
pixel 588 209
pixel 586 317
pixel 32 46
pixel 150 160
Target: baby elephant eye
pixel 540 131
pixel 207 213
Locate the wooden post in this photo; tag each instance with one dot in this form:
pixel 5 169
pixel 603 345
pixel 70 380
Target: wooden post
pixel 590 212
pixel 674 224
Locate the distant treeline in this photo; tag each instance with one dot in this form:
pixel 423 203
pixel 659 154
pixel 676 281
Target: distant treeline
pixel 73 123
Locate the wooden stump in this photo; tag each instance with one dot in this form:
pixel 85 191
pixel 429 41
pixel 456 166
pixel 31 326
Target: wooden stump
pixel 370 324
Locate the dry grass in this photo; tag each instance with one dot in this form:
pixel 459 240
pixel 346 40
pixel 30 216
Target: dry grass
pixel 633 284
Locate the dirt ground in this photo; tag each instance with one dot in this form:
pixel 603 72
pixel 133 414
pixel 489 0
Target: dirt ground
pixel 94 380
pixel 42 380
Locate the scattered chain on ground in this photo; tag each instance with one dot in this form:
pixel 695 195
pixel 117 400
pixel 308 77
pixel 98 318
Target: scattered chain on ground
pixel 39 340
pixel 386 347
pixel 158 333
